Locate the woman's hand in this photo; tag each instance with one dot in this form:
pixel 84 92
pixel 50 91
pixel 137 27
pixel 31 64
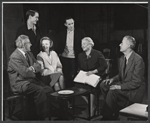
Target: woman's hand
pixel 91 72
pixel 58 70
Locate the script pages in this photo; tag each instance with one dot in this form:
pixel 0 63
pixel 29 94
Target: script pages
pixel 92 80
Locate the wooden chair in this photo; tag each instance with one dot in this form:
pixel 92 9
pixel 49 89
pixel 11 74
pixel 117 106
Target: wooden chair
pixel 11 101
pixel 106 75
pixel 106 53
pixel 107 72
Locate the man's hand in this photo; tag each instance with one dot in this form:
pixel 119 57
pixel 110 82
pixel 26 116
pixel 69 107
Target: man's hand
pixel 37 67
pixel 108 81
pixel 113 87
pixel 30 68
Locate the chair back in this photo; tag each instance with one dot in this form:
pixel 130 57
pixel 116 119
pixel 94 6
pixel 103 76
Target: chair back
pixel 108 69
pixel 106 53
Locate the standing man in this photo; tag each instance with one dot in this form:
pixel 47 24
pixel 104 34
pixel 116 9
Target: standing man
pixel 128 86
pixel 31 29
pixel 22 67
pixel 69 48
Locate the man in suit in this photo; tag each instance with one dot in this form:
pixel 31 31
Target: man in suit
pixel 22 69
pixel 32 30
pixel 128 86
pixel 69 48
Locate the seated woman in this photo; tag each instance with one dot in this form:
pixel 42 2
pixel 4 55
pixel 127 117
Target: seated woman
pixel 50 64
pixel 93 62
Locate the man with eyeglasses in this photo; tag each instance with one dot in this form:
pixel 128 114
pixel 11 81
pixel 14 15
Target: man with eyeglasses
pixel 22 69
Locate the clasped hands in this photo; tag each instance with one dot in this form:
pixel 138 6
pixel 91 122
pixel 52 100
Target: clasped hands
pixel 109 82
pixel 36 67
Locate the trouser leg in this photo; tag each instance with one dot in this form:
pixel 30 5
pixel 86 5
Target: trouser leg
pixel 114 101
pixel 39 93
pixel 69 71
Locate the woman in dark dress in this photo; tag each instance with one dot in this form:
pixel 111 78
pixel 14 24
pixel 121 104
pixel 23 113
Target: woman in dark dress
pixel 93 62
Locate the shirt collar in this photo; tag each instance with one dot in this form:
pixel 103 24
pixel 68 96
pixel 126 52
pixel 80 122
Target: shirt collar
pixel 22 52
pixel 69 31
pixel 128 55
pixel 29 26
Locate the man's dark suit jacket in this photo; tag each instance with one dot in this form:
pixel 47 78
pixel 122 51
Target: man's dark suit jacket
pixel 133 80
pixel 19 74
pixel 34 39
pixel 78 36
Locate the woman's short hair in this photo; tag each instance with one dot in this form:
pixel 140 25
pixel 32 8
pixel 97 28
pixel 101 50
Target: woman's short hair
pixel 131 41
pixel 31 12
pixel 21 40
pixel 50 41
pixel 89 40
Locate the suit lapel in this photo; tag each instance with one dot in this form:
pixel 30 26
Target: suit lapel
pixel 129 63
pixel 22 57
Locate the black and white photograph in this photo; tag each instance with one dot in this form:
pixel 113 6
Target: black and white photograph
pixel 74 61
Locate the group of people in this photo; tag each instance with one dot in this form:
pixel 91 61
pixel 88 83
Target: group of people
pixel 35 54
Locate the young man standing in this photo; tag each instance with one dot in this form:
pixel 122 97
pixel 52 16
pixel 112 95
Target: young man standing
pixel 69 48
pixel 31 29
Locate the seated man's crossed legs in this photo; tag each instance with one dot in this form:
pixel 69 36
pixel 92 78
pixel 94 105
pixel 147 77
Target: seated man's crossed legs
pixel 114 101
pixel 39 92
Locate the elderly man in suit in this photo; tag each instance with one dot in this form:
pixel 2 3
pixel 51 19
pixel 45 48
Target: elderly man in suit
pixel 22 69
pixel 69 48
pixel 126 87
pixel 32 30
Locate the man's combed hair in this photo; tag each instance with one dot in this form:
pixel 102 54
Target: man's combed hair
pixel 21 40
pixel 131 40
pixel 30 12
pixel 67 18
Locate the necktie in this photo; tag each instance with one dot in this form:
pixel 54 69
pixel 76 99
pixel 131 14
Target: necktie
pixel 27 58
pixel 124 68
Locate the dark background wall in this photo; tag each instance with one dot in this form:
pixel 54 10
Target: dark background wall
pixel 106 24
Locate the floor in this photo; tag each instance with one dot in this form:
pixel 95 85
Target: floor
pixel 81 110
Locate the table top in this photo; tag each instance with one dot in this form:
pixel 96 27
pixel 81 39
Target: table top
pixel 77 92
pixel 136 109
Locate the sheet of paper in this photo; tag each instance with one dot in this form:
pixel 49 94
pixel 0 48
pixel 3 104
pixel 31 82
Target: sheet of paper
pixel 81 77
pixel 92 80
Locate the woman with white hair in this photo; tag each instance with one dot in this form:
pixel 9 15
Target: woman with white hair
pixel 93 62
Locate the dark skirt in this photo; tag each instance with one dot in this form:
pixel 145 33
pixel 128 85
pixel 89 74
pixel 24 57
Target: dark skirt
pixel 94 90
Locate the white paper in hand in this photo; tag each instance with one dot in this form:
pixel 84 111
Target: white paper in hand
pixel 92 80
pixel 81 77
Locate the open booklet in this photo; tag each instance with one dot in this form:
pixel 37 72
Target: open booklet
pixel 92 80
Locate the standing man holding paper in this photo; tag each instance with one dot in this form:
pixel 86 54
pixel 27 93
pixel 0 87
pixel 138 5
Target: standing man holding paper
pixel 93 62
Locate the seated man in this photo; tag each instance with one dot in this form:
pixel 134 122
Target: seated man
pixel 128 85
pixel 22 69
